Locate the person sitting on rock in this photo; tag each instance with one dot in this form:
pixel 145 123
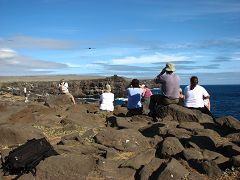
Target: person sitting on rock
pixel 63 88
pixel 134 92
pixel 170 88
pixel 107 99
pixel 194 96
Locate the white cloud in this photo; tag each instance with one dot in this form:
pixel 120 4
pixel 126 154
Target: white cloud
pixel 7 53
pixel 34 42
pixel 148 59
pixel 12 63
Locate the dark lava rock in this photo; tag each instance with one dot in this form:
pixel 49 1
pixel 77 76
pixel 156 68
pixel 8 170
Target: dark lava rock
pixel 174 170
pixel 123 139
pixel 170 146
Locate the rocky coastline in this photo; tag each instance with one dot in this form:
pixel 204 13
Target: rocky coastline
pixel 179 144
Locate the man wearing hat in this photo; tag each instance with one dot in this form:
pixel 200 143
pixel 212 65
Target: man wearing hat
pixel 170 88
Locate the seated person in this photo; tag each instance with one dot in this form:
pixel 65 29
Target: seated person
pixel 134 93
pixel 194 96
pixel 63 88
pixel 170 88
pixel 107 99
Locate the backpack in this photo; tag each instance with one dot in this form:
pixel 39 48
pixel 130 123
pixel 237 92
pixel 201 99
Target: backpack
pixel 26 157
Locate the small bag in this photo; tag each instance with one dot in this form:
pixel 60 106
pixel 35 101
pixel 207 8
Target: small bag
pixel 26 157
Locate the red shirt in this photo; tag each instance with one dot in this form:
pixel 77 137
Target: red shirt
pixel 147 93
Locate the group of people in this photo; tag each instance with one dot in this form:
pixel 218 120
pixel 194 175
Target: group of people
pixel 194 96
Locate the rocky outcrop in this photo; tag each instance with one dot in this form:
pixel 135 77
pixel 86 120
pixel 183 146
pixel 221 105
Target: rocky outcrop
pixel 179 144
pixel 83 88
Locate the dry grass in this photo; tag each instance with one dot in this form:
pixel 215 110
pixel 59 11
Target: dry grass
pixel 57 132
pixel 124 155
pixel 7 97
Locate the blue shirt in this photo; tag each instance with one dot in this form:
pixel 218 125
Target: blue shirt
pixel 134 98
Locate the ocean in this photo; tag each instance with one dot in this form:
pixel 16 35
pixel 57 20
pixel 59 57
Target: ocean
pixel 225 99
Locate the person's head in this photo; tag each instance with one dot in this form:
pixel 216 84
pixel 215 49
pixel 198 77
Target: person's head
pixel 193 81
pixel 144 86
pixel 135 83
pixel 170 68
pixel 61 81
pixel 107 88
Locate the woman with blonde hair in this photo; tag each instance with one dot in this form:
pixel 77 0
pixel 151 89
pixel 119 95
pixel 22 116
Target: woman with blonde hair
pixel 107 99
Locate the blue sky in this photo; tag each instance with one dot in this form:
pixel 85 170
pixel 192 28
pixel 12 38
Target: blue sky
pixel 131 38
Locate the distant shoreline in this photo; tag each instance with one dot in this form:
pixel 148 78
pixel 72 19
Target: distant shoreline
pixel 47 78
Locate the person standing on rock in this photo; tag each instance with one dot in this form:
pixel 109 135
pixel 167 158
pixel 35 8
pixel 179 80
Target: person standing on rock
pixel 170 84
pixel 107 99
pixel 25 94
pixel 147 93
pixel 134 93
pixel 195 95
pixel 63 88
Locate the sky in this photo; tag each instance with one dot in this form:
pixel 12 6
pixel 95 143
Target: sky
pixel 130 38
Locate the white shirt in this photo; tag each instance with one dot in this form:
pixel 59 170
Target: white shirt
pixel 194 98
pixel 106 100
pixel 63 87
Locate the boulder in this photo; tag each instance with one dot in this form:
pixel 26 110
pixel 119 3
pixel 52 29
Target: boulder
pixel 76 149
pixel 123 139
pixel 218 158
pixel 67 166
pixel 211 169
pixel 109 168
pixel 202 142
pixel 18 134
pixel 140 159
pixel 126 122
pixel 179 133
pixel 229 122
pixel 192 154
pixel 170 146
pixel 23 116
pixel 148 170
pixel 84 119
pixel 190 125
pixel 236 161
pixel 212 135
pixel 151 130
pixel 234 137
pixel 180 113
pixel 173 170
pixel 58 100
pixel 229 149
pixel 120 111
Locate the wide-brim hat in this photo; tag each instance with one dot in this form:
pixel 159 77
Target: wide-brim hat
pixel 170 67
